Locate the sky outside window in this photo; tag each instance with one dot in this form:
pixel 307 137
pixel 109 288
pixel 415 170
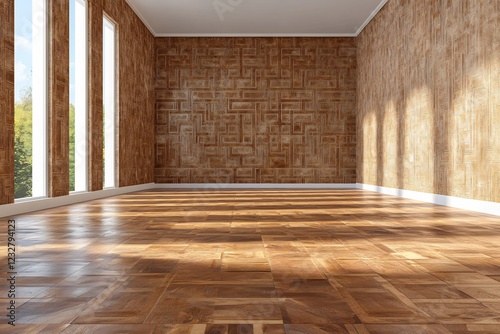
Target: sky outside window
pixel 23 47
pixel 30 109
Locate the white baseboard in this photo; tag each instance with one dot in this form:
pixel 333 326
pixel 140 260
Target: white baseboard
pixel 255 186
pixel 36 204
pixel 27 206
pixel 491 208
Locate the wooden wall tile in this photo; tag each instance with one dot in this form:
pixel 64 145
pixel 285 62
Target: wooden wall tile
pixel 7 102
pixel 258 110
pixel 95 161
pixel 428 98
pixel 58 98
pixel 135 95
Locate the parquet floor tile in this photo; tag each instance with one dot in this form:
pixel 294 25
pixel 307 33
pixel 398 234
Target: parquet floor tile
pixel 255 261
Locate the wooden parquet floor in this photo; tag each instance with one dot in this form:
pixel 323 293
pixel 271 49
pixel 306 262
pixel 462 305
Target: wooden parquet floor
pixel 256 261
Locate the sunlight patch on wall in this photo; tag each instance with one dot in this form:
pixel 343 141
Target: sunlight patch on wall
pixel 390 139
pixel 474 137
pixel 370 154
pixel 419 148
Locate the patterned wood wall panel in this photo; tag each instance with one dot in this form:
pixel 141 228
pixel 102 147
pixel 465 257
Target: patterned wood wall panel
pixel 258 110
pixel 136 95
pixel 429 98
pixel 95 161
pixel 7 101
pixel 59 98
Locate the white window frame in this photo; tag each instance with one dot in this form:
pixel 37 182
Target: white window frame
pixel 39 56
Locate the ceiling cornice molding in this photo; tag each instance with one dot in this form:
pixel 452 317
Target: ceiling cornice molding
pixel 139 15
pixel 372 15
pixel 255 35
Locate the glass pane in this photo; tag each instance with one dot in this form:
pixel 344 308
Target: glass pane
pixel 78 96
pixel 30 141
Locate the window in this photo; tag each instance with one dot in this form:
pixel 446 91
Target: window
pixel 109 98
pixel 30 85
pixel 78 96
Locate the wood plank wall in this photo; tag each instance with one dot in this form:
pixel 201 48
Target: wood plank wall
pixel 136 60
pixel 429 98
pixel 96 137
pixel 6 101
pixel 135 91
pixel 255 110
pixel 58 125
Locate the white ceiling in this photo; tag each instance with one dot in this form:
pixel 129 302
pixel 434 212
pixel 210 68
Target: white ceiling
pixel 256 17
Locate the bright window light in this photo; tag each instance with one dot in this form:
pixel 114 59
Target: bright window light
pixel 78 96
pixel 109 98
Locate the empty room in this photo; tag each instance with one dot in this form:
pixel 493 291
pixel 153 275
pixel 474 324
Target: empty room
pixel 250 166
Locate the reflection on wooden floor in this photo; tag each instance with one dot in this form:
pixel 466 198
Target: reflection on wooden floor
pixel 306 261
